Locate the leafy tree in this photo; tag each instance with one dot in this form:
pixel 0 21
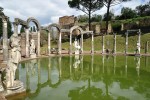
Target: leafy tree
pixel 82 18
pixel 22 29
pixel 9 28
pixel 127 13
pixel 86 6
pixel 108 4
pixel 96 18
pixel 111 15
pixel 143 10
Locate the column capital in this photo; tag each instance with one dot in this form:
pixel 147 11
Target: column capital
pixel 5 18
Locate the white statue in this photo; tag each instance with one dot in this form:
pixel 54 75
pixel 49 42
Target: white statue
pixel 15 54
pixel 14 58
pixel 138 48
pixel 10 74
pixel 77 46
pixel 32 49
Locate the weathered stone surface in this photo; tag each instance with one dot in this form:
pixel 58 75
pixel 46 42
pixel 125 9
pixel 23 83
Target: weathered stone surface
pixel 67 22
pixel 2 97
pixel 32 48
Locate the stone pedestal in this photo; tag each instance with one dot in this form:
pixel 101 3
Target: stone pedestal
pixel 32 55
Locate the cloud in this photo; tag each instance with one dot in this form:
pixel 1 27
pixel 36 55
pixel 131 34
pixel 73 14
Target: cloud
pixel 49 11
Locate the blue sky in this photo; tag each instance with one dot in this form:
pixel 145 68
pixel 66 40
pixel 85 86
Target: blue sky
pixel 49 11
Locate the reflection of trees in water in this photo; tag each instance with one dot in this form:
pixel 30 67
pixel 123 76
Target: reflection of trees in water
pixel 88 93
pixel 125 76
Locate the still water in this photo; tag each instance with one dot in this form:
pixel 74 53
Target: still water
pixel 85 78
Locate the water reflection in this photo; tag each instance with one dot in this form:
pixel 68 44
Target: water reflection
pixel 87 77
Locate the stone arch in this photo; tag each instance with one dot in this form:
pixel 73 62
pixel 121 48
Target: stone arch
pixel 32 19
pixel 59 43
pixel 71 32
pixel 54 25
pixel 76 27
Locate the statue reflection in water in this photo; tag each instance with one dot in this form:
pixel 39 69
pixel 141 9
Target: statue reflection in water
pixel 137 59
pixel 76 61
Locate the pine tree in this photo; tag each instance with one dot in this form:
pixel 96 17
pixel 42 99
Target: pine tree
pixel 34 30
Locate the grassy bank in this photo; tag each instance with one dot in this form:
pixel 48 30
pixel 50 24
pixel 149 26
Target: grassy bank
pixel 109 40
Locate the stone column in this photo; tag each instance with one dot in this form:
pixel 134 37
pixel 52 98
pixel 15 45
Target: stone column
pixel 5 39
pixel 92 43
pixel 139 40
pixel 38 45
pixel 70 51
pixel 59 44
pixel 49 43
pixel 15 28
pixel 122 26
pixel 27 42
pixel 126 43
pixel 81 43
pixel 103 43
pixel 114 43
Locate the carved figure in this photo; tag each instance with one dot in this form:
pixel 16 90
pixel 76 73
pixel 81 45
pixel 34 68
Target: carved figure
pixel 32 49
pixel 77 46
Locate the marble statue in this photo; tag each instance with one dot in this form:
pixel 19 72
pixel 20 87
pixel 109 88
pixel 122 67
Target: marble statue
pixel 32 49
pixel 12 63
pixel 77 46
pixel 138 48
pixel 15 54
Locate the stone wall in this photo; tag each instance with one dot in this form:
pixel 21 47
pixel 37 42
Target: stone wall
pixel 67 21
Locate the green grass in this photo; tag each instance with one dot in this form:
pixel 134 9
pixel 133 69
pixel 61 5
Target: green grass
pixel 109 40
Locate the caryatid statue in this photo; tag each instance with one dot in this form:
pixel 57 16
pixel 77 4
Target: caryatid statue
pixel 32 49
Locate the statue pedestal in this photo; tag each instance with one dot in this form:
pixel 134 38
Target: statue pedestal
pixel 77 52
pixel 16 85
pixel 32 55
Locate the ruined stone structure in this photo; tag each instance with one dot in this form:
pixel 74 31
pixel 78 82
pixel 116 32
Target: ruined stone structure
pixel 66 22
pixel 26 37
pixel 12 63
pixel 138 42
pixel 49 28
pixel 5 35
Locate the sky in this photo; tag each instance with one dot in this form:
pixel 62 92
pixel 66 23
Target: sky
pixel 49 11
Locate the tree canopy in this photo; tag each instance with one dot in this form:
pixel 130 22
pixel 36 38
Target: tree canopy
pixel 108 4
pixel 143 10
pixel 86 6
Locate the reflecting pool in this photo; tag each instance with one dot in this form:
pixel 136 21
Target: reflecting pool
pixel 89 77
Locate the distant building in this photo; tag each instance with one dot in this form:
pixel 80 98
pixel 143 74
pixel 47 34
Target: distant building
pixel 66 22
